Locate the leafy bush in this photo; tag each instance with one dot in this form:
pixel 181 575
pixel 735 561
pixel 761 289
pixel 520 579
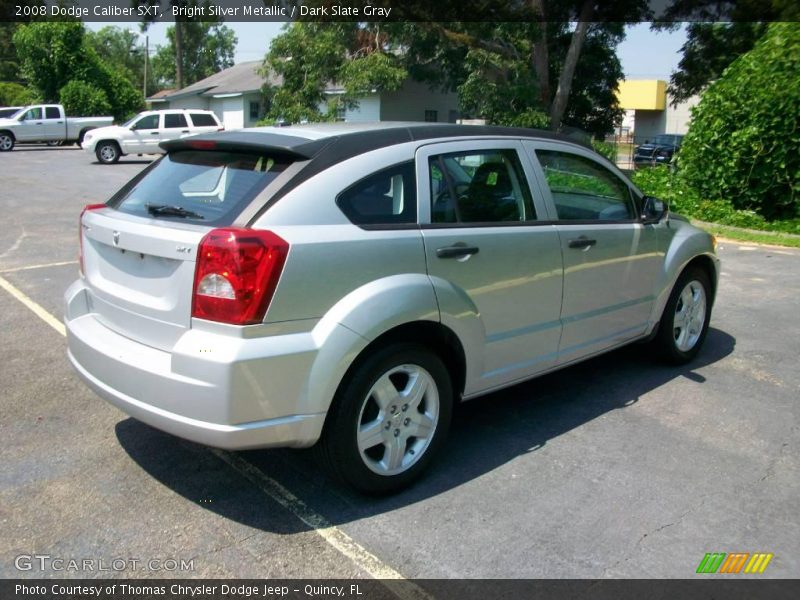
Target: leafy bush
pixel 14 94
pixel 606 149
pixel 744 141
pixel 82 99
pixel 672 187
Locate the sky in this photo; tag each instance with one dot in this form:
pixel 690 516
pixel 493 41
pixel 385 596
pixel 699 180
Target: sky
pixel 644 54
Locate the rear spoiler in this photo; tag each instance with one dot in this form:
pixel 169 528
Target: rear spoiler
pixel 293 147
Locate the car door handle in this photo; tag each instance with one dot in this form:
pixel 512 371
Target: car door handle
pixel 153 133
pixel 456 251
pixel 185 131
pixel 582 243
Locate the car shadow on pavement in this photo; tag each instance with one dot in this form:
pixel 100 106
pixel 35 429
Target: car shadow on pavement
pixel 486 433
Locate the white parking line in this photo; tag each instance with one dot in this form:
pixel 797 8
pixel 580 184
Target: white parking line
pixel 338 539
pixel 41 266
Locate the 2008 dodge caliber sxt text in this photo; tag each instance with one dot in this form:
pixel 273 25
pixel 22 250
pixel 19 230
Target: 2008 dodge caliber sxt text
pixel 343 285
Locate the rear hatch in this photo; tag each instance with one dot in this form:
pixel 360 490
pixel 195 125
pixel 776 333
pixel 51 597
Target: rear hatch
pixel 139 251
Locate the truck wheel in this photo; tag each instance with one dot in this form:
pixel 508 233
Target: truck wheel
pixel 6 142
pixel 55 143
pixel 107 152
pixel 388 420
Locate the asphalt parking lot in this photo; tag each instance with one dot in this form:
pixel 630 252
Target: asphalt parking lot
pixel 619 467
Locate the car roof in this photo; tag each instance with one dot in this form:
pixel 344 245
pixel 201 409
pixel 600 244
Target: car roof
pixel 324 145
pixel 346 140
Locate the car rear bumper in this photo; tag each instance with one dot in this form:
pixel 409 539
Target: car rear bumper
pixel 222 391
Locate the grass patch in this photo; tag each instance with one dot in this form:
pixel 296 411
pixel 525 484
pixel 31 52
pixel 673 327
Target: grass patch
pixel 773 238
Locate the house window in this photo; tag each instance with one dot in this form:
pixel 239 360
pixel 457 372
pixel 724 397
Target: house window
pixel 431 116
pixel 452 116
pixel 255 111
pixel 341 113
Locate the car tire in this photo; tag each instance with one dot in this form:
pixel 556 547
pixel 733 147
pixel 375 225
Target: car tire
pixel 107 152
pixel 54 143
pixel 684 323
pixel 368 440
pixel 7 142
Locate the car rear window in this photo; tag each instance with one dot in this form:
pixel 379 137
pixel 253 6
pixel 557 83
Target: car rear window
pixel 208 187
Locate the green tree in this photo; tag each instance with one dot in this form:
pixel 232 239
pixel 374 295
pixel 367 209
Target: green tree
pixel 743 144
pixel 309 56
pixel 207 48
pixel 14 94
pixel 720 32
pixel 53 54
pixel 515 72
pixel 81 99
pixel 122 50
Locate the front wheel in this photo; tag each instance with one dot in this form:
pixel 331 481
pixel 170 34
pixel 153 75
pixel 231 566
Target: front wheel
pixel 6 142
pixel 684 324
pixel 107 152
pixel 389 419
pixel 54 143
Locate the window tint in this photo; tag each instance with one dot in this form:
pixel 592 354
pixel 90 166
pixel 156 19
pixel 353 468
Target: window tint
pixel 203 120
pixel 148 122
pixel 386 197
pixel 51 112
pixel 214 185
pixel 33 114
pixel 174 120
pixel 479 187
pixel 583 190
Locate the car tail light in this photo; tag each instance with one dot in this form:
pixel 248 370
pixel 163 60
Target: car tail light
pixel 236 274
pixel 86 208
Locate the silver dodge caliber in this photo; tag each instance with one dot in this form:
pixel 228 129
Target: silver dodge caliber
pixel 343 285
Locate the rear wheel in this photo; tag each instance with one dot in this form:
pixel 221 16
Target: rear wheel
pixel 389 419
pixel 6 142
pixel 54 143
pixel 684 324
pixel 107 152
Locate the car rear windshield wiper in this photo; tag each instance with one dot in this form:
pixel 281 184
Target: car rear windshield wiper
pixel 172 211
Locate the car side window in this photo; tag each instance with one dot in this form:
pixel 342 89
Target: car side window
pixel 583 190
pixel 51 112
pixel 147 122
pixel 487 186
pixel 384 198
pixel 174 121
pixel 33 114
pixel 203 120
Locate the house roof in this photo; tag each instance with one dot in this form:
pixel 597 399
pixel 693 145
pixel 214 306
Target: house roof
pixel 238 79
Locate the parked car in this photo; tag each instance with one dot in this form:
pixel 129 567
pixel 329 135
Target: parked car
pixel 46 123
pixel 343 285
pixel 9 111
pixel 660 151
pixel 144 133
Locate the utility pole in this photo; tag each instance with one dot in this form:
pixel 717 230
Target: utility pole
pixel 146 56
pixel 178 53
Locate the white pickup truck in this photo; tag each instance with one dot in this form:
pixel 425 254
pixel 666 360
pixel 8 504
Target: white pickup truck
pixel 46 123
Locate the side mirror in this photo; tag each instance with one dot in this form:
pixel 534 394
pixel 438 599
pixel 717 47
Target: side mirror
pixel 654 210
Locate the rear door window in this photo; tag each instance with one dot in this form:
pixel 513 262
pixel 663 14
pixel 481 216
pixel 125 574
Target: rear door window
pixel 486 186
pixel 208 187
pixel 174 121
